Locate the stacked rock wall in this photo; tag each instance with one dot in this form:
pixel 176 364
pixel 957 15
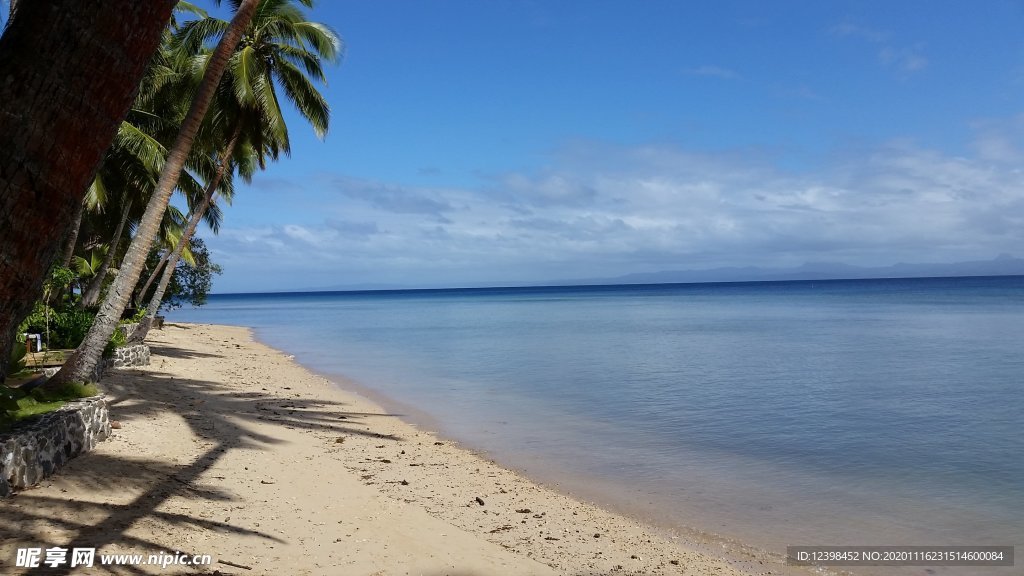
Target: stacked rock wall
pixel 33 452
pixel 40 448
pixel 132 355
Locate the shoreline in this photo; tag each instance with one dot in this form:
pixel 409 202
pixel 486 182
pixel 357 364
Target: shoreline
pixel 229 447
pixel 740 555
pixel 745 557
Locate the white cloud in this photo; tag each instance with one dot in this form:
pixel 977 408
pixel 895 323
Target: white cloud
pixel 910 59
pixel 1000 141
pixel 604 210
pixel 714 72
pixel 906 59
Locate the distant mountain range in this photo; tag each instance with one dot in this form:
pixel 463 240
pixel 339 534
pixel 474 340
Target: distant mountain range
pixel 1003 265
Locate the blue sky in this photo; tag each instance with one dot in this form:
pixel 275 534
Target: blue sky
pixel 491 142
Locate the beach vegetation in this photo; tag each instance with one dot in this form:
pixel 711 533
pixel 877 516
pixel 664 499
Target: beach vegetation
pixel 56 317
pixel 83 361
pixel 123 186
pixel 117 340
pixel 190 283
pixel 61 327
pixel 69 391
pixel 281 54
pixel 71 69
pixel 101 234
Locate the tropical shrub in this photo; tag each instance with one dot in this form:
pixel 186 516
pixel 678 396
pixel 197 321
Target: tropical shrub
pixel 63 327
pixel 117 339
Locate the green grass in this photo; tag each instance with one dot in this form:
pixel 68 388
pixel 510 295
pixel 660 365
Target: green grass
pixel 69 391
pixel 17 405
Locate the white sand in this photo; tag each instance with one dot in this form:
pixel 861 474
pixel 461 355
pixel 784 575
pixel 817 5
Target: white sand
pixel 229 448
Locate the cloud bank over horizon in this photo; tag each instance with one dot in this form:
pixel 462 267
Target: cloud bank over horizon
pixel 601 210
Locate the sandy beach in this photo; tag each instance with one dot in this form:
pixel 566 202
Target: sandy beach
pixel 226 447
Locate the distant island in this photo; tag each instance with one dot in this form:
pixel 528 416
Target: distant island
pixel 1002 265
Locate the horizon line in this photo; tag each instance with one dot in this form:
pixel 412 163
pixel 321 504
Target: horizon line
pixel 610 285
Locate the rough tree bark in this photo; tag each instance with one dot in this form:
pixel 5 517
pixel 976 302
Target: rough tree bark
pixel 69 70
pixel 81 365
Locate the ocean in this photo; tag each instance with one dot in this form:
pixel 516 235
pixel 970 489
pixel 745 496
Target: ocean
pixel 841 412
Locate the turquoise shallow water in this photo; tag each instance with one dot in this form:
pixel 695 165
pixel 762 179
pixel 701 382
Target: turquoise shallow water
pixel 836 412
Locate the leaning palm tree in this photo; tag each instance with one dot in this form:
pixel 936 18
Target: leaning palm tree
pixel 166 246
pixel 70 69
pixel 81 365
pixel 132 164
pixel 281 51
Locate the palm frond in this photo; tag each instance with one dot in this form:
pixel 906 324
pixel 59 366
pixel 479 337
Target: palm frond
pixel 301 57
pixel 96 196
pixel 194 35
pixel 324 40
pixel 191 189
pixel 271 115
pixel 246 71
pixel 183 7
pixel 308 101
pixel 213 217
pixel 171 240
pixel 142 146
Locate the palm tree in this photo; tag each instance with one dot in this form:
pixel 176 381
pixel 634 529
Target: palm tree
pixel 133 163
pixel 82 363
pixel 280 50
pixel 91 294
pixel 88 267
pixel 70 69
pixel 167 246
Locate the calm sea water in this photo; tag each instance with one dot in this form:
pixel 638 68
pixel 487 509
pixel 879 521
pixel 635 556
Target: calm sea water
pixel 825 412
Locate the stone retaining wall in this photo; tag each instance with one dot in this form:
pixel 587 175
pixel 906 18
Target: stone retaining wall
pixel 131 355
pixel 125 356
pixel 39 449
pixel 128 329
pixel 29 454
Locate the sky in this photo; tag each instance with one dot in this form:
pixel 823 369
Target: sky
pixel 510 142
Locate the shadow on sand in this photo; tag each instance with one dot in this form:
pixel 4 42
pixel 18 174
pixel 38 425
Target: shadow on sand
pixel 136 395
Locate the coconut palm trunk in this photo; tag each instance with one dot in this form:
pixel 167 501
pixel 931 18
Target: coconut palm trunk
pixel 72 239
pixel 165 279
pixel 81 365
pixel 172 262
pixel 69 70
pixel 92 292
pixel 152 276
